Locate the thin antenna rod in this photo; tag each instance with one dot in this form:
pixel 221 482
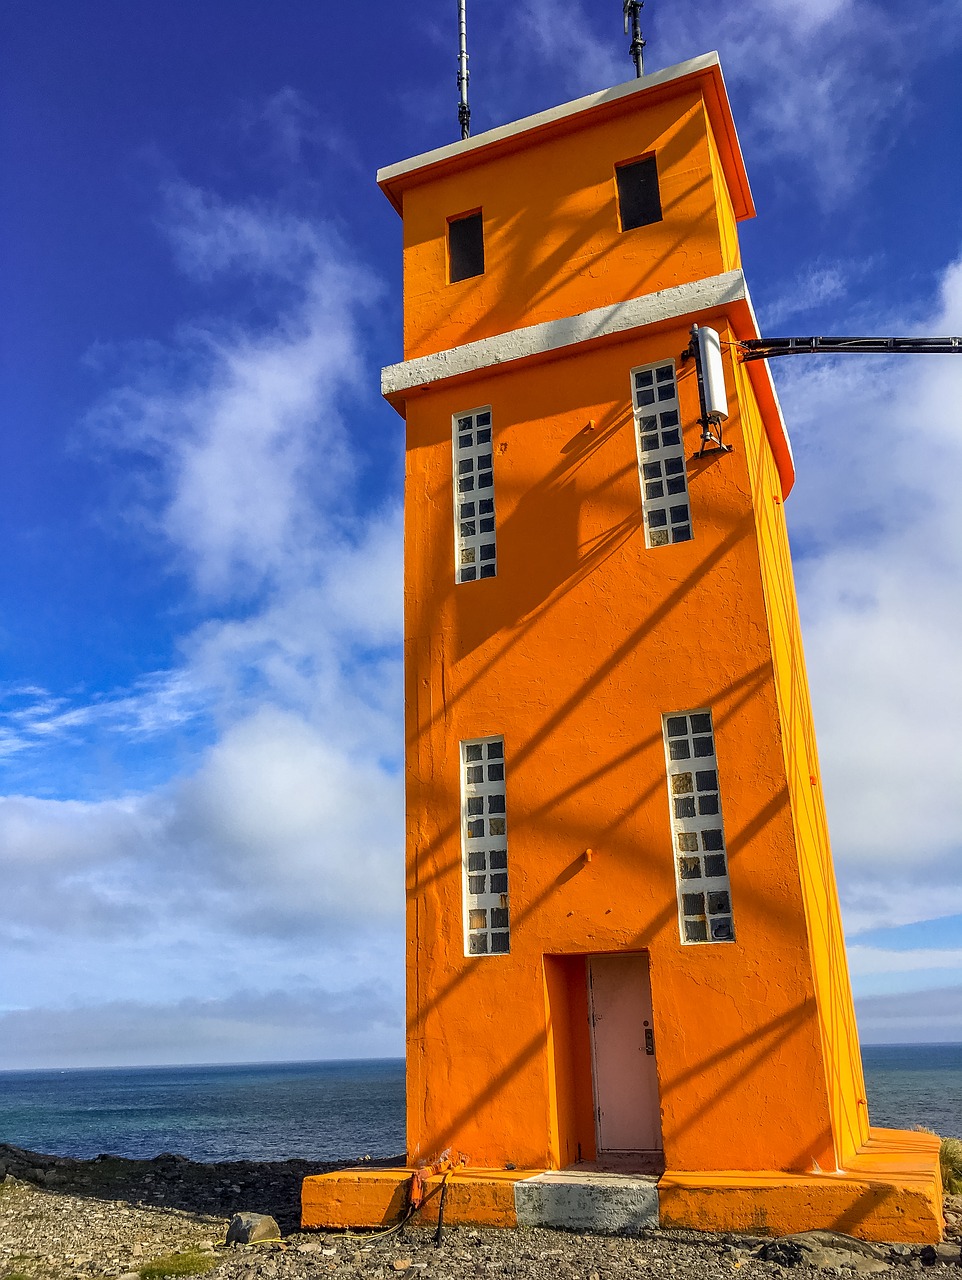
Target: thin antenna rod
pixel 633 10
pixel 464 111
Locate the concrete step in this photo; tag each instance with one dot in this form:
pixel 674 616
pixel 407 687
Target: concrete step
pixel 580 1200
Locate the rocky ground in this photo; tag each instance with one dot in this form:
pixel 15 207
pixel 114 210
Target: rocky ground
pixel 142 1219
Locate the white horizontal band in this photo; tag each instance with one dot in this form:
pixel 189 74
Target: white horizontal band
pixel 554 335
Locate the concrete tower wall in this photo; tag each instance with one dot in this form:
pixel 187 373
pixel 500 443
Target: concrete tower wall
pixel 596 969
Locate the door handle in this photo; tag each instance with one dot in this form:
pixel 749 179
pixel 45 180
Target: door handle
pixel 649 1042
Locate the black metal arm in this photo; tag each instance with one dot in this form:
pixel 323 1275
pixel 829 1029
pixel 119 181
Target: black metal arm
pixel 766 348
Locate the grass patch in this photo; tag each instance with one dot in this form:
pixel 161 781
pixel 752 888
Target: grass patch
pixel 192 1263
pixel 950 1161
pixel 16 1275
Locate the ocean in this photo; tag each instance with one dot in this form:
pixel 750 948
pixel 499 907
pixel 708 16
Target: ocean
pixel 337 1110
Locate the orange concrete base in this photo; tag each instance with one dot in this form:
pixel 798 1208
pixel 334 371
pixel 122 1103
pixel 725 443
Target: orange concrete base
pixel 379 1198
pixel 891 1191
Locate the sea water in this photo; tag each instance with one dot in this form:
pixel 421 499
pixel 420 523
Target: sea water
pixel 276 1111
pixel 338 1110
pixel 912 1085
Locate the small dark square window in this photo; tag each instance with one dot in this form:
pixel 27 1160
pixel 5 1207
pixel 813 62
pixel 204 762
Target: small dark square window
pixel 639 201
pixel 466 248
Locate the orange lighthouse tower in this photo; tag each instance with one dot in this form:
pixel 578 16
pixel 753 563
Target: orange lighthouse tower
pixel 628 999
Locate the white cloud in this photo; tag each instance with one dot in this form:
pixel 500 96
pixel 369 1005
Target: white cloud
pixel 560 39
pixel 824 84
pixel 865 961
pixel 878 537
pixel 933 1016
pixel 284 833
pixel 817 284
pixel 295 834
pixel 243 419
pixel 248 1026
pixel 155 704
pixel 279 832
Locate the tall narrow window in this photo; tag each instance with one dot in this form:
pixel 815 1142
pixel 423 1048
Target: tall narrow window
pixel 698 834
pixel 475 549
pixel 465 248
pixel 661 455
pixel 639 200
pixel 484 847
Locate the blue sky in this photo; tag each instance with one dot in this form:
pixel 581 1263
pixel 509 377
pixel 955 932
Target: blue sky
pixel 200 711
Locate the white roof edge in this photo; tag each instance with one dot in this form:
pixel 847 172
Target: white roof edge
pixel 554 335
pixel 465 147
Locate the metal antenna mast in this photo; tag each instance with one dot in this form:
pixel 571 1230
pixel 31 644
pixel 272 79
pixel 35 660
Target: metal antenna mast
pixel 633 10
pixel 464 111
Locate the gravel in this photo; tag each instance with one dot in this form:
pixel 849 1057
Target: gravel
pixel 108 1217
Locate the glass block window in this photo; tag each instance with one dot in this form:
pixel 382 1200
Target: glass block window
pixel 474 540
pixel 661 455
pixel 484 848
pixel 698 834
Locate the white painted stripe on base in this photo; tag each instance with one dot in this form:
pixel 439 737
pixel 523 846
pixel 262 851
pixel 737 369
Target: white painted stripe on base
pixel 555 335
pixel 610 1204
